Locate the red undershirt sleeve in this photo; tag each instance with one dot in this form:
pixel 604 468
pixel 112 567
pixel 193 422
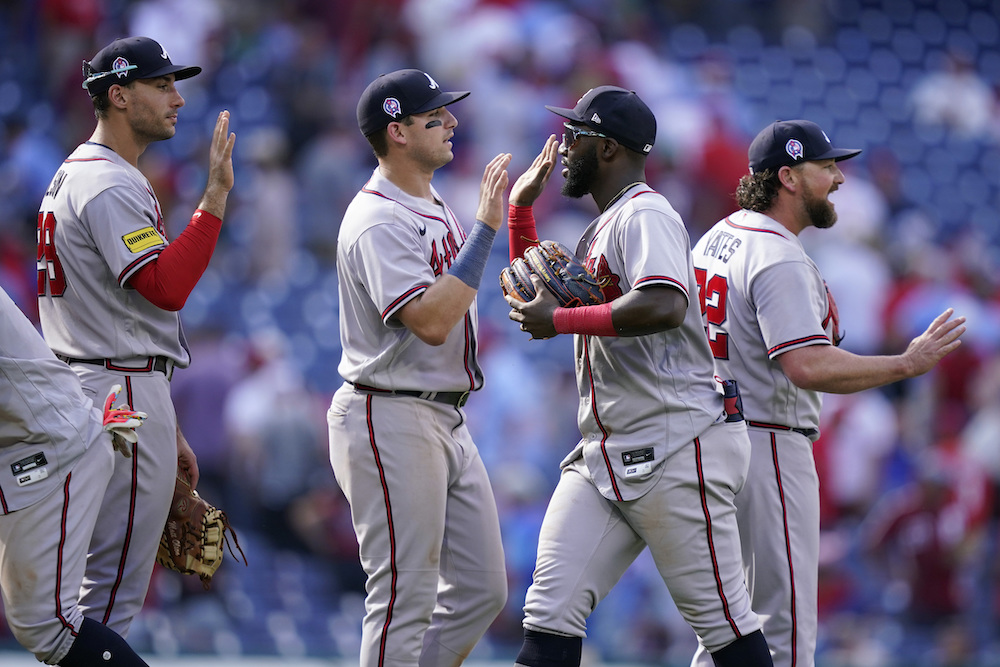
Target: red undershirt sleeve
pixel 521 228
pixel 168 280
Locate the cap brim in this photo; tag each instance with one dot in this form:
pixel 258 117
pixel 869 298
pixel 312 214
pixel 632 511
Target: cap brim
pixel 838 154
pixel 179 72
pixel 568 114
pixel 441 100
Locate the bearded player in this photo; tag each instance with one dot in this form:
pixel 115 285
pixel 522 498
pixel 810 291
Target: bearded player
pixel 773 327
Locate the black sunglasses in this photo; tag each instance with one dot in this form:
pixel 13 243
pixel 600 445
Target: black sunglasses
pixel 574 132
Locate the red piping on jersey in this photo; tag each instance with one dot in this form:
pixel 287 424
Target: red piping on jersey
pixel 711 541
pixel 3 503
pixel 86 159
pixel 405 296
pixel 131 511
pixel 59 556
pixel 597 418
pixel 470 352
pixel 648 279
pixel 608 221
pixel 422 215
pixel 798 341
pixel 392 531
pixel 729 221
pixel 135 262
pixel 788 543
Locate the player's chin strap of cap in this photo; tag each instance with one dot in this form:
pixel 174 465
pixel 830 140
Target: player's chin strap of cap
pixel 455 398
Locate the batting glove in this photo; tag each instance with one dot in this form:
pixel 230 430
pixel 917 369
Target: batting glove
pixel 121 422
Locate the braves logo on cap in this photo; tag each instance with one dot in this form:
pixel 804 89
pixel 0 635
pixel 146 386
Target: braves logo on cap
pixel 434 84
pixel 120 67
pixel 794 149
pixel 392 107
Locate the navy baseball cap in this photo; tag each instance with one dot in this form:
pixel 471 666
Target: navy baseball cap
pixel 788 142
pixel 616 112
pixel 402 93
pixel 129 59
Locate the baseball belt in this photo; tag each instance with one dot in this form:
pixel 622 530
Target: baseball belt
pixel 808 432
pixel 453 398
pixel 159 364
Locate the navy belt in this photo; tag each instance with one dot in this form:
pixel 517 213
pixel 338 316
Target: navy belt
pixel 158 364
pixel 454 398
pixel 808 432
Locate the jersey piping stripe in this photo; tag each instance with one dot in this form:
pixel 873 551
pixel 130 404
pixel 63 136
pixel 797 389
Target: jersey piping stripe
pixel 392 532
pixel 788 544
pixel 422 215
pixel 3 502
pixel 732 224
pixel 798 341
pixel 131 511
pixel 711 540
pixel 405 296
pixel 86 159
pixel 661 279
pixel 470 352
pixel 122 277
pixel 597 418
pixel 59 556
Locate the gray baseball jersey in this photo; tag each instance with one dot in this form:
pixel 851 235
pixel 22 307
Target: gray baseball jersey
pixel 55 461
pixel 421 501
pixel 392 246
pixel 764 296
pixel 98 223
pixel 657 466
pixel 636 392
pixel 746 264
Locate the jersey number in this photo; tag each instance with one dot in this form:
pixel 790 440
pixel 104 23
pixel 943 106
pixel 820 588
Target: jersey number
pixel 712 293
pixel 49 268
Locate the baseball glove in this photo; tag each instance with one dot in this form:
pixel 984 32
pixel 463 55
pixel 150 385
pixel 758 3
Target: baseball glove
pixel 561 272
pixel 193 535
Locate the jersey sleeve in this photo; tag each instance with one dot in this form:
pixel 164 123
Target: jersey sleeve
pixel 790 300
pixel 658 249
pixel 386 261
pixel 124 224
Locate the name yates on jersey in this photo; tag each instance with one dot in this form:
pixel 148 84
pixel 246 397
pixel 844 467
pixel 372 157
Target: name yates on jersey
pixel 722 245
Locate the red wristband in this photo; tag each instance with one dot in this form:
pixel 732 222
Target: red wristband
pixel 521 230
pixel 587 320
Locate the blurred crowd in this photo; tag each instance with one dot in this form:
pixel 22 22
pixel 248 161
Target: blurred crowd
pixel 909 473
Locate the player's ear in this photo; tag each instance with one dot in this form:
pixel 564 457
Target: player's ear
pixel 394 133
pixel 788 177
pixel 116 95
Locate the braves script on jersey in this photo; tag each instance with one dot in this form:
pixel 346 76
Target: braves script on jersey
pixel 667 377
pixel 749 310
pixel 100 222
pixel 386 239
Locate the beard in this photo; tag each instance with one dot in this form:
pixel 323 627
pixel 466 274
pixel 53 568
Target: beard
pixel 582 174
pixel 822 214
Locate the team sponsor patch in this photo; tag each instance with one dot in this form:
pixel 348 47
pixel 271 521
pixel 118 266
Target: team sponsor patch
pixel 28 463
pixel 143 239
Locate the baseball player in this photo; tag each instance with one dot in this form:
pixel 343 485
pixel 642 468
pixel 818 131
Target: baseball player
pixel 661 458
pixel 110 285
pixel 421 502
pixel 55 462
pixel 773 327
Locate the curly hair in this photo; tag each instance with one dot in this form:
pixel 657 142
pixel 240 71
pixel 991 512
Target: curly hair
pixel 756 192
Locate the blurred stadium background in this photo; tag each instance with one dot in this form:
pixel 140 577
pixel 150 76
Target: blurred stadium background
pixel 909 572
